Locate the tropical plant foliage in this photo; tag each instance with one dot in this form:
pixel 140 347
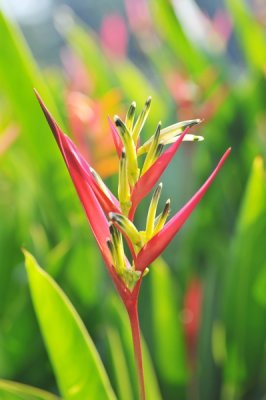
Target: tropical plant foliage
pixel 202 310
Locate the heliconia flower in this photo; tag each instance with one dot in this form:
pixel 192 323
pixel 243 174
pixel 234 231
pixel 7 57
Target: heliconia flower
pixel 112 219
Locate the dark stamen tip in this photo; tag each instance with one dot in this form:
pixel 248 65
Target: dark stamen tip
pixel 148 101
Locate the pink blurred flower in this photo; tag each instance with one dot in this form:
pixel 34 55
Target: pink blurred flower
pixel 113 36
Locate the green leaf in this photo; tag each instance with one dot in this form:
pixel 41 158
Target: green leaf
pixel 260 287
pixel 244 315
pixel 106 73
pixel 119 365
pixel 173 34
pixel 135 85
pixel 169 343
pixel 253 203
pixel 253 44
pixel 76 363
pixel 86 45
pixel 18 76
pixel 16 391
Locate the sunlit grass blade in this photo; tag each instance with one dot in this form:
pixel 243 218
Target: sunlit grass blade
pixel 76 363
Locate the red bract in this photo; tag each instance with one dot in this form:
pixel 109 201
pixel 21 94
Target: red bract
pixel 160 241
pixel 111 219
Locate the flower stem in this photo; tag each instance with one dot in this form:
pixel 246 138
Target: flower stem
pixel 135 329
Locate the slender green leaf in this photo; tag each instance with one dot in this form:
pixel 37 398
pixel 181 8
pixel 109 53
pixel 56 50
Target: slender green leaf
pixel 169 343
pixel 135 85
pixel 17 391
pixel 18 76
pixel 77 365
pixel 172 32
pixel 86 45
pixel 251 34
pixel 244 315
pixel 119 364
pixel 105 73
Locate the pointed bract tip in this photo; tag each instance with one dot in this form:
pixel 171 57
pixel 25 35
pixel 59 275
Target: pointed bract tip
pixel 133 104
pixel 38 96
pixel 227 152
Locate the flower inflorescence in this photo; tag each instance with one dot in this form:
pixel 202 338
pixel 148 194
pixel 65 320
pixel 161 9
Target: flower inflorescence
pixel 130 171
pixel 112 219
pixel 140 168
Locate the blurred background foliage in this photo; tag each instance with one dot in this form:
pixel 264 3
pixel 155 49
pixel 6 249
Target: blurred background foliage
pixel 203 306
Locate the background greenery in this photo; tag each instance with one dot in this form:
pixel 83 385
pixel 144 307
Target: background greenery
pixel 203 306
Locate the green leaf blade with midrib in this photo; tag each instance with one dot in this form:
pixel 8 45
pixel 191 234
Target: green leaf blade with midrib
pixel 76 363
